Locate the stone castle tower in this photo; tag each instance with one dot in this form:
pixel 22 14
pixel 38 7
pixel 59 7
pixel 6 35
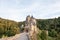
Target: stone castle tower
pixel 30 24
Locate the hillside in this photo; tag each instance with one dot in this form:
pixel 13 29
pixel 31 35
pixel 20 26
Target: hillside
pixel 52 26
pixel 10 28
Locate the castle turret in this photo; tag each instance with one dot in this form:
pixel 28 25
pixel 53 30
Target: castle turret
pixel 27 23
pixel 33 21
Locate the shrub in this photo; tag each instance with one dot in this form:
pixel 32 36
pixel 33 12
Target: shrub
pixel 52 33
pixel 43 35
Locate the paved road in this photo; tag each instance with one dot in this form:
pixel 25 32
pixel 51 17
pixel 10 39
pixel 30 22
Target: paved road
pixel 23 36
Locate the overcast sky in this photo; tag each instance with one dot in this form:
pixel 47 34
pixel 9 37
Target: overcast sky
pixel 18 9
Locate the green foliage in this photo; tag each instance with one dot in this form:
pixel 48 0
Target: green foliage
pixel 8 27
pixel 43 35
pixel 58 36
pixel 38 36
pixel 52 33
pixel 42 24
pixel 50 38
pixel 52 25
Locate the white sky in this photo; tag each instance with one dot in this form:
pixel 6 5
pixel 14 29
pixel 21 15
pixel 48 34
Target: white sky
pixel 18 9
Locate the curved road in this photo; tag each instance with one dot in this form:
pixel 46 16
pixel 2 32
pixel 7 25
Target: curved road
pixel 23 36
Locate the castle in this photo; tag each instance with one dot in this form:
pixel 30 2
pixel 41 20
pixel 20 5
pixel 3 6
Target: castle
pixel 30 25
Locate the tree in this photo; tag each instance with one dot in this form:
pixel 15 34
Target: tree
pixel 58 36
pixel 52 33
pixel 43 35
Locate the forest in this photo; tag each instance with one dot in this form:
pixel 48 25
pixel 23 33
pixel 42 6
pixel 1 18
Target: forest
pixel 10 28
pixel 52 26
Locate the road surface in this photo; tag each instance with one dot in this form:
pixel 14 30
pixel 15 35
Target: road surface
pixel 23 36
